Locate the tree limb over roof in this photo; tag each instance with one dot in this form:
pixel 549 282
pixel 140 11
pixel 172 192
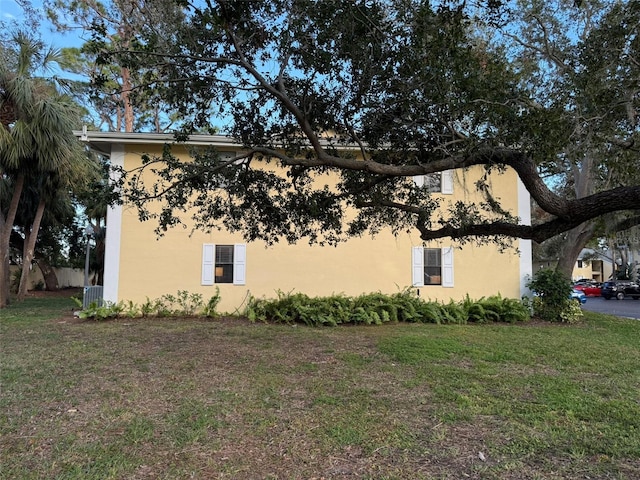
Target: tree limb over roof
pixel 414 89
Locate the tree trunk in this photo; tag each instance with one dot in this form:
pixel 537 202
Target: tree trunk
pixel 29 248
pixel 6 227
pixel 5 275
pixel 126 100
pixel 576 240
pixel 49 274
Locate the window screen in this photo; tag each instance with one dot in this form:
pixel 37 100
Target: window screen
pixel 433 182
pixel 432 266
pixel 224 264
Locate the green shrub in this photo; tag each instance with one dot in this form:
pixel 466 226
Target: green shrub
pixel 572 314
pixel 97 311
pixel 552 291
pixel 146 309
pixel 188 304
pixel 378 308
pixel 209 309
pixel 496 309
pixel 132 310
pixel 184 304
pixel 454 313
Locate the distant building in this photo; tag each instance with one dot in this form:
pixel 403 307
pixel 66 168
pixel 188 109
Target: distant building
pixel 593 266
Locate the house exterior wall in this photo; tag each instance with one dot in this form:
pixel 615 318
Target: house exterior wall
pixel 139 265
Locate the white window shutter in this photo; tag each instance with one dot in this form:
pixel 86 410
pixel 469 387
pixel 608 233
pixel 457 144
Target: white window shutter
pixel 239 263
pixel 447 182
pixel 208 263
pixel 417 264
pixel 447 267
pixel 419 180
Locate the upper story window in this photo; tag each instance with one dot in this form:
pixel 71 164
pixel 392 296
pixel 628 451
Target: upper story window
pixel 433 182
pixel 439 182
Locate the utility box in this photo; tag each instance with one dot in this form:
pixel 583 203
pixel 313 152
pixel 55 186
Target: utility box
pixel 92 294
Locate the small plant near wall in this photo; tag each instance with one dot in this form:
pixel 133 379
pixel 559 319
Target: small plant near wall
pixel 291 308
pixel 209 309
pixel 184 304
pixel 552 297
pixel 131 310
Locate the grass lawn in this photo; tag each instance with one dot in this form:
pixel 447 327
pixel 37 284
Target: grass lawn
pixel 174 399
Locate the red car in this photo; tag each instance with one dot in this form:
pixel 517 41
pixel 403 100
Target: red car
pixel 590 289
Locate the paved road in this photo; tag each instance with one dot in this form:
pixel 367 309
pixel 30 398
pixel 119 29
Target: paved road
pixel 622 308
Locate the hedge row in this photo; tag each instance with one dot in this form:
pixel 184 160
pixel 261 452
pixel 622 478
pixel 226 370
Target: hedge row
pixel 377 308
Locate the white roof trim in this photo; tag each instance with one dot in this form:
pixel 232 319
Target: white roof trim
pixel 102 141
pixel 152 138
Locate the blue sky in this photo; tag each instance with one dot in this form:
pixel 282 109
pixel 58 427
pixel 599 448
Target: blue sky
pixel 12 13
pixel 9 10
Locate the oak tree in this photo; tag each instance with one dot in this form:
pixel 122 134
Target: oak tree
pixel 417 87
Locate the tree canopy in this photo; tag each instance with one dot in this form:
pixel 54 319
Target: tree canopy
pixel 40 158
pixel 419 87
pixel 118 20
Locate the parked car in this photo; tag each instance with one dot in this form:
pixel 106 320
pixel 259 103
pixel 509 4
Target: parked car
pixel 590 288
pixel 578 296
pixel 620 289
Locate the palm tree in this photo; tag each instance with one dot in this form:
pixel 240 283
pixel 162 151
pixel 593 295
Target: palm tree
pixel 57 224
pixel 53 191
pixel 36 138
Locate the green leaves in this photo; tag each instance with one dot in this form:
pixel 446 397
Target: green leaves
pixel 378 308
pixel 183 304
pixel 552 302
pixel 423 87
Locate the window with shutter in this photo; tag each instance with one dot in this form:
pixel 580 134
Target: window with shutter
pixel 224 264
pixel 432 266
pixel 439 182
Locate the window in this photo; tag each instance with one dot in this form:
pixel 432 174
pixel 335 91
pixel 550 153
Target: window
pixel 580 265
pixel 439 182
pixel 433 182
pixel 223 264
pixel 432 266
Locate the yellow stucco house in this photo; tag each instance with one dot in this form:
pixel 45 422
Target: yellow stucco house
pixel 138 264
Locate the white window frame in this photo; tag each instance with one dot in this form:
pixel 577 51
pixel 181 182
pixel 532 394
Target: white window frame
pixel 417 267
pixel 446 182
pixel 209 265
